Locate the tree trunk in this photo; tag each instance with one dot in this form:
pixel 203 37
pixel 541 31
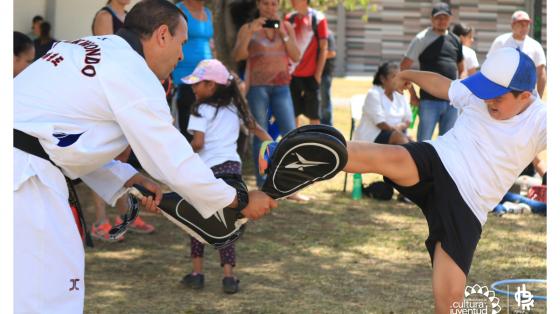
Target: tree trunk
pixel 225 32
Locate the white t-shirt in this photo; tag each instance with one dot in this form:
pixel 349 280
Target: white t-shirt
pixel 379 108
pixel 220 133
pixel 471 62
pixel 528 46
pixel 484 156
pixel 86 101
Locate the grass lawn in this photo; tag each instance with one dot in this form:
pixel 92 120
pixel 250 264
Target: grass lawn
pixel 332 255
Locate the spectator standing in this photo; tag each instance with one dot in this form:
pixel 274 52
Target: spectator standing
pixel 519 38
pixel 35 27
pixel 199 47
pixel 108 20
pixel 326 81
pixel 44 42
pixel 24 52
pixel 466 35
pixel 311 31
pixel 437 50
pixel 268 52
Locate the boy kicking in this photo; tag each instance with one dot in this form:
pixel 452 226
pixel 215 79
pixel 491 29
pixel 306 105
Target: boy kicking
pixel 461 176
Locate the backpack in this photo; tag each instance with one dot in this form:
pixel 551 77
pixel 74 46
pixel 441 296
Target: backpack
pixel 379 191
pixel 292 19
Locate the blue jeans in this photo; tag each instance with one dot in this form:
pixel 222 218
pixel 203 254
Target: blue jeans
pixel 432 112
pixel 536 206
pixel 326 104
pixel 278 101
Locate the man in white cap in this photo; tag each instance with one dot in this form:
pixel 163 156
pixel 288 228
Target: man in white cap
pixel 519 38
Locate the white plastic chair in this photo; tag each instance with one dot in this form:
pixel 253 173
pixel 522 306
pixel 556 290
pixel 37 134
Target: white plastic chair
pixel 356 105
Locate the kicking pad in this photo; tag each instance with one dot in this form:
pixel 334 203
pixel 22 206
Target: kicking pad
pixel 219 230
pixel 303 157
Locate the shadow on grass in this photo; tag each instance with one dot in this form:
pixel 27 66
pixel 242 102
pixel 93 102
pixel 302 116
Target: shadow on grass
pixel 333 255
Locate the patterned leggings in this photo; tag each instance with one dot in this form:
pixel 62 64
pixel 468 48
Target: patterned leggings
pixel 227 254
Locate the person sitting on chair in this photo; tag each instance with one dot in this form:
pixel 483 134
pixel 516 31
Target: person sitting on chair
pixel 386 113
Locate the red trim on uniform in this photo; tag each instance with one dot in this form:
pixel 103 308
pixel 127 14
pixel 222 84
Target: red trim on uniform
pixel 77 221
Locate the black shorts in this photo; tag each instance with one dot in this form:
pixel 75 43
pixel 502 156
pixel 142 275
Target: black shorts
pixel 306 96
pixel 450 220
pixel 383 137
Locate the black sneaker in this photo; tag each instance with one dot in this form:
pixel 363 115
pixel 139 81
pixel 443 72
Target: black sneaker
pixel 230 285
pixel 194 281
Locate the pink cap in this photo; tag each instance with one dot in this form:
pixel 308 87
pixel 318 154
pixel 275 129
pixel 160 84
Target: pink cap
pixel 209 70
pixel 520 16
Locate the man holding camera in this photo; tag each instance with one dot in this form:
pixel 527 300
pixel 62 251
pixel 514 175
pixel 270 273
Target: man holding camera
pixel 311 30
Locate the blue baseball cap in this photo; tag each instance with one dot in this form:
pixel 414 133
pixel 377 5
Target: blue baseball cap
pixel 506 69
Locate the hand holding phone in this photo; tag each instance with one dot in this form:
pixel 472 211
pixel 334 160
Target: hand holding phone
pixel 275 24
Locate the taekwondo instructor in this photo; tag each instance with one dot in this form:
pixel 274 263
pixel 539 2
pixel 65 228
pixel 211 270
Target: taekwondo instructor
pixel 85 101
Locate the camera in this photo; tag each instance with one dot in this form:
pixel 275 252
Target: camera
pixel 271 24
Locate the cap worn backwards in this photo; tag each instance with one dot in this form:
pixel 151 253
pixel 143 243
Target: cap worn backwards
pixel 209 70
pixel 506 69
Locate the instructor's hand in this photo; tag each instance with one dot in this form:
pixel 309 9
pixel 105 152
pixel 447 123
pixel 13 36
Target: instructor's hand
pixel 259 205
pixel 149 202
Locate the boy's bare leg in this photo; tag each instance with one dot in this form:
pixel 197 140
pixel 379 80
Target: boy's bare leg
pixel 391 161
pixel 398 138
pixel 448 281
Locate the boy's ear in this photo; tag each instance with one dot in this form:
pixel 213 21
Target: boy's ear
pixel 525 95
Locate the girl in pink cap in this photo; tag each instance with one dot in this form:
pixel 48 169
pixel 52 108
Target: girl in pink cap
pixel 216 117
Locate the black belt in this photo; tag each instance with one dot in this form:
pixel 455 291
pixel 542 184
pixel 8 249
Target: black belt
pixel 31 145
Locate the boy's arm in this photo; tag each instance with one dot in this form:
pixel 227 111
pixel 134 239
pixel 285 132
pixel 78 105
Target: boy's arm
pixel 433 83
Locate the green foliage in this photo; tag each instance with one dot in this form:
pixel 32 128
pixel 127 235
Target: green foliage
pixel 368 6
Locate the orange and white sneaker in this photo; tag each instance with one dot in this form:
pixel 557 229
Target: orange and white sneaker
pixel 101 232
pixel 138 226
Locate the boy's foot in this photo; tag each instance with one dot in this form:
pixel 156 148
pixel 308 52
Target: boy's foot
pixel 138 226
pixel 230 285
pixel 101 232
pixel 193 281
